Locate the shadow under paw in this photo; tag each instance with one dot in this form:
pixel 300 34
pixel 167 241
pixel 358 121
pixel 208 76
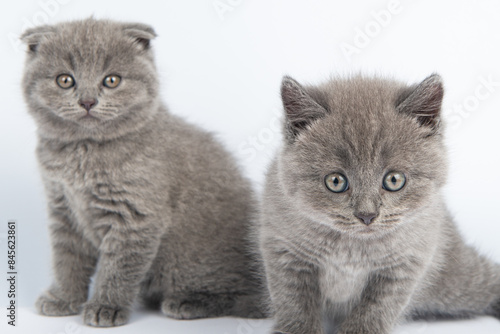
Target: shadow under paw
pixel 49 305
pixel 99 315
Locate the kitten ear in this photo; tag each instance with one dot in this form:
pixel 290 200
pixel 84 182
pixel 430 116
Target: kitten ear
pixel 300 108
pixel 34 36
pixel 424 101
pixel 142 34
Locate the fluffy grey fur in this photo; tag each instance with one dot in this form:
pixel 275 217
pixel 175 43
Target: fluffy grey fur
pixel 151 205
pixel 329 269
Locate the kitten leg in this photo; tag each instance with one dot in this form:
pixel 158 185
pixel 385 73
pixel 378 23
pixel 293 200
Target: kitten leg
pixel 382 303
pixel 466 284
pixel 295 293
pixel 74 261
pixel 126 253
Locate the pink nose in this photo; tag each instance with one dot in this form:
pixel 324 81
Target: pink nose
pixel 88 103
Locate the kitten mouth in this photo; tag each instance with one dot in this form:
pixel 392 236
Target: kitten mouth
pixel 376 227
pixel 89 115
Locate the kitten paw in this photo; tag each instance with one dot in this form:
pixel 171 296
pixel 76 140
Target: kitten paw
pixel 99 315
pixel 201 306
pixel 184 309
pixel 50 305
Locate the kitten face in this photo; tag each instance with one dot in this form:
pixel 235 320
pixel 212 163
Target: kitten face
pixel 358 159
pixel 90 77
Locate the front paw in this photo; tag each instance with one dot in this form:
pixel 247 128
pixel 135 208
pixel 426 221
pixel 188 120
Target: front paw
pixel 99 315
pixel 48 304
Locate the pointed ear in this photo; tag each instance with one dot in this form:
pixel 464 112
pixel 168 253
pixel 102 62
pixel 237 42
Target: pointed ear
pixel 34 36
pixel 300 108
pixel 142 34
pixel 424 101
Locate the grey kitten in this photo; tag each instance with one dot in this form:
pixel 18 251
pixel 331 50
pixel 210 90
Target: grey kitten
pixel 354 231
pixel 151 205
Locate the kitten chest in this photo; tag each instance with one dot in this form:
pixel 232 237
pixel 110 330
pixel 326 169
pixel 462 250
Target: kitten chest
pixel 75 165
pixel 343 282
pixel 86 178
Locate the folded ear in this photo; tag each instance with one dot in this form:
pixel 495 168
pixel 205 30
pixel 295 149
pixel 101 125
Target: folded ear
pixel 300 108
pixel 142 34
pixel 34 36
pixel 424 101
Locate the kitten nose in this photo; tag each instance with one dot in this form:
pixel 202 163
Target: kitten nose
pixel 88 103
pixel 366 218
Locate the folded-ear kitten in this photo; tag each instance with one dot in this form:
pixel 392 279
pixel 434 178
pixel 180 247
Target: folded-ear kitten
pixel 153 206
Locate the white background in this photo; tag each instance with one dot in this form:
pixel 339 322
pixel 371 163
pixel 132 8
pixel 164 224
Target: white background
pixel 222 70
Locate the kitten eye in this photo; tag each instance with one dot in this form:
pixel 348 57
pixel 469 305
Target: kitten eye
pixel 336 182
pixel 112 81
pixel 65 81
pixel 394 181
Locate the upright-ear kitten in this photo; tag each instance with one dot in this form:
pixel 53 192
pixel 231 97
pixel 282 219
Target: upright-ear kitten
pixel 151 205
pixel 354 231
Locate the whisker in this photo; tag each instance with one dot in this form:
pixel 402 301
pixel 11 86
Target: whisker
pixel 71 113
pixel 346 222
pixel 389 221
pixel 336 215
pixel 394 215
pixel 68 109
